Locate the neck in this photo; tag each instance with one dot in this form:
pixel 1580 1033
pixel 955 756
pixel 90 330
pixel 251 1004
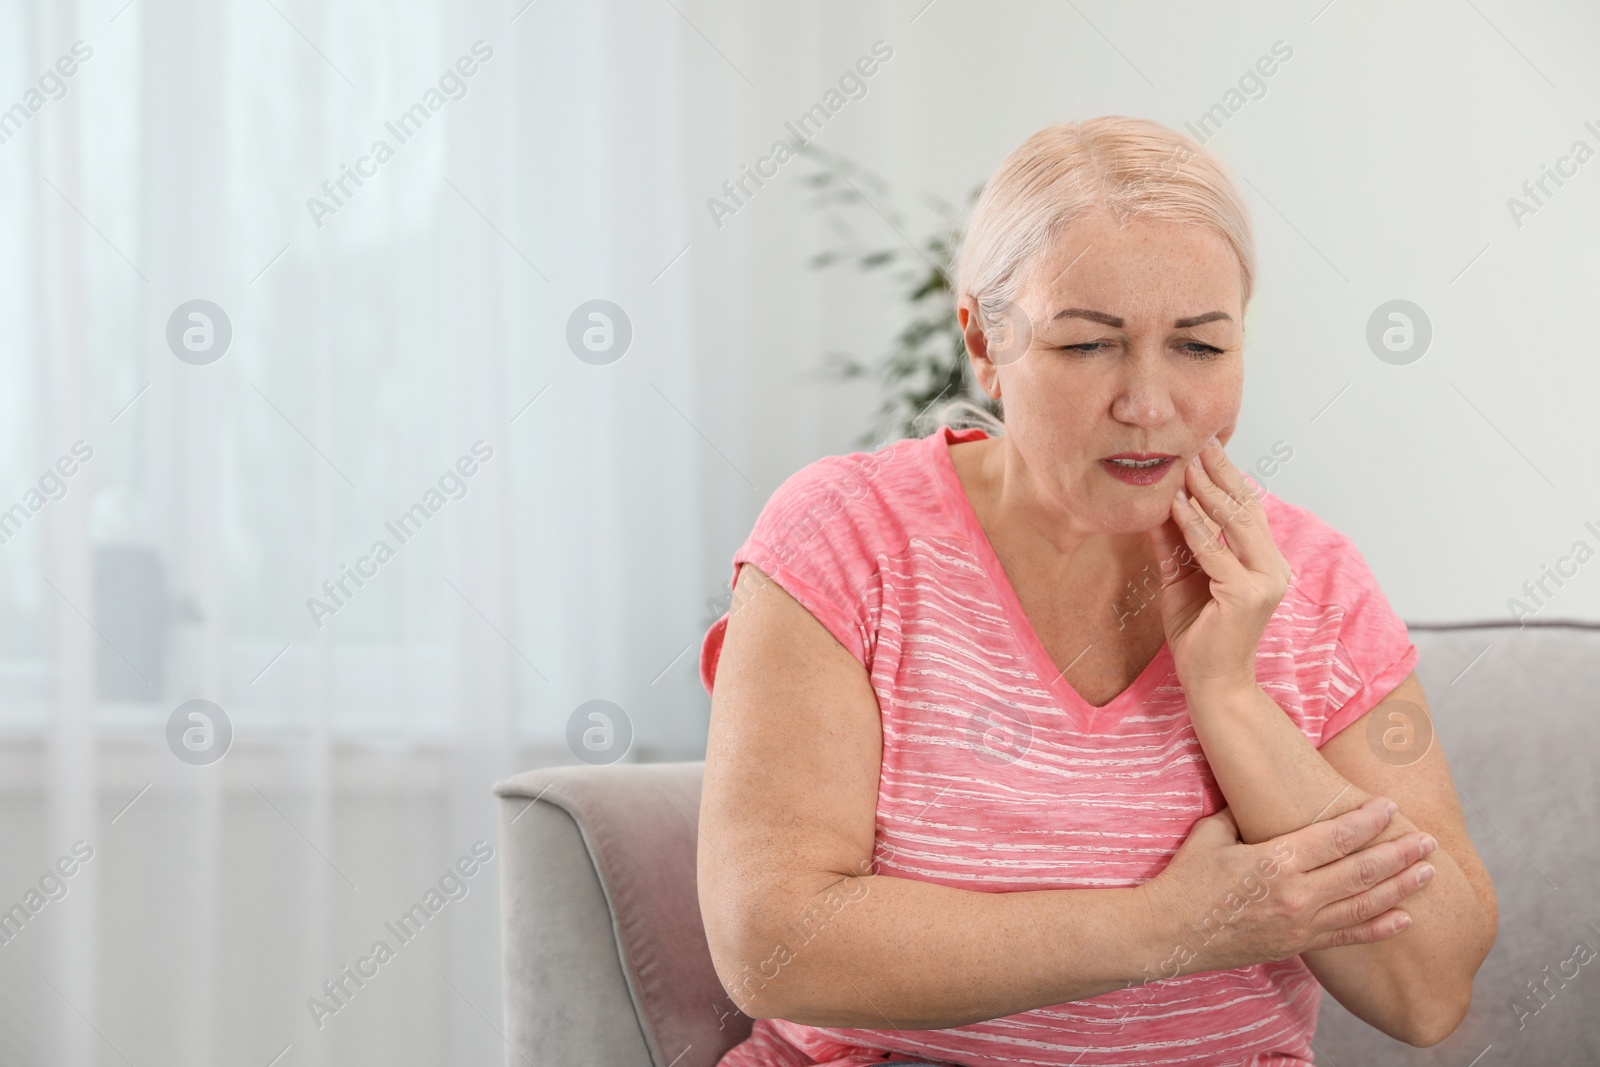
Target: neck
pixel 1013 505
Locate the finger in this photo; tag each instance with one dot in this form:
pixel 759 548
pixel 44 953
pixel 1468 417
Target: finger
pixel 1215 464
pixel 1238 508
pixel 1357 909
pixel 1209 501
pixel 1215 504
pixel 1332 839
pixel 1235 505
pixel 1174 560
pixel 1215 557
pixel 1370 866
pixel 1204 511
pixel 1382 928
pixel 1185 490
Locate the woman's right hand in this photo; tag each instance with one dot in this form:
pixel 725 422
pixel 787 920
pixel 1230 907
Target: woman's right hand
pixel 1228 904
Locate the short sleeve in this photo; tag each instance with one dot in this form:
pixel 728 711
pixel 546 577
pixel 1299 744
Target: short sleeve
pixel 816 539
pixel 1372 652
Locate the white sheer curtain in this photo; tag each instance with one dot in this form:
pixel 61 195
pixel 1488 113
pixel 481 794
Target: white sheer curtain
pixel 372 347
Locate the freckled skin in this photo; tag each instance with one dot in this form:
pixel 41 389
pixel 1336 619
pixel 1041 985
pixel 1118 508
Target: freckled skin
pixel 1070 536
pixel 1141 392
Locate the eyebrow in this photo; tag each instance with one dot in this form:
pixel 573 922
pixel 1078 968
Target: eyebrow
pixel 1116 322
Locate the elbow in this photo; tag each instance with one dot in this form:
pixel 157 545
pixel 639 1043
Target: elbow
pixel 748 961
pixel 1436 1013
pixel 772 969
pixel 751 982
pixel 766 980
pixel 1430 1023
pixel 753 959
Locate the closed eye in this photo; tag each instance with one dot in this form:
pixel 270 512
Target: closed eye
pixel 1196 349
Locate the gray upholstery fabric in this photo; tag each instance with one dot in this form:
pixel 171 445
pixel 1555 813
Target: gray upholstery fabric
pixel 605 955
pixel 566 996
pixel 606 962
pixel 1521 728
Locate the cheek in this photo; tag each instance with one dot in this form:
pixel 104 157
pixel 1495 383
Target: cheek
pixel 1212 402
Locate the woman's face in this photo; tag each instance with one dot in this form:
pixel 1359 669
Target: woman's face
pixel 1136 352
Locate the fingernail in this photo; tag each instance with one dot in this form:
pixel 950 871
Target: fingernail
pixel 1390 808
pixel 1424 874
pixel 1402 922
pixel 1214 441
pixel 1183 498
pixel 1428 845
pixel 1196 464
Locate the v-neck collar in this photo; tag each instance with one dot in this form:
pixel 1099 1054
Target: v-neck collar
pixel 1049 675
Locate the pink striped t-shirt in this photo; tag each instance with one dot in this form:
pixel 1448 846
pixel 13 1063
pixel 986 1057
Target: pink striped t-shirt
pixel 997 776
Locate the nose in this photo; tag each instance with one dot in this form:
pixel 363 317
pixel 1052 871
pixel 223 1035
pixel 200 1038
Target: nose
pixel 1144 396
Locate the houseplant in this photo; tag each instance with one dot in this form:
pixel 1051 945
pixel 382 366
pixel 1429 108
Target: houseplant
pixel 926 363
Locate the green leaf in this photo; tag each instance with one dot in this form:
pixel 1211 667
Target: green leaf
pixel 926 360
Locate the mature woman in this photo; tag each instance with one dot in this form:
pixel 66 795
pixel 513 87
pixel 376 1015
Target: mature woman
pixel 1049 742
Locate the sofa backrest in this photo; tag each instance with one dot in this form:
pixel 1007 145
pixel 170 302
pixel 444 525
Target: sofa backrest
pixel 1518 712
pixel 605 954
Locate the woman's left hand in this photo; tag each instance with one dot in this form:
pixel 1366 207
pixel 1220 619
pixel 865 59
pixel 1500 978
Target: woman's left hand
pixel 1216 594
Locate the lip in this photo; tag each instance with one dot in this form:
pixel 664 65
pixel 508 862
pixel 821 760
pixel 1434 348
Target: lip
pixel 1143 475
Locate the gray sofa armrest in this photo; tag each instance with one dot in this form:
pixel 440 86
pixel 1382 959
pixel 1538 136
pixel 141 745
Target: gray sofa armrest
pixel 605 953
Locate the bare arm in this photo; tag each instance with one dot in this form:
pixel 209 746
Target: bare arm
pixel 1215 602
pixel 787 821
pixel 1416 986
pixel 800 928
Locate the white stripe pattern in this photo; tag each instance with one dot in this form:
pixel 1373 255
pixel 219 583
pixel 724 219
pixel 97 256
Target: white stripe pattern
pixel 994 781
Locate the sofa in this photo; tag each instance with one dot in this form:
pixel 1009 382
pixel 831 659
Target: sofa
pixel 606 962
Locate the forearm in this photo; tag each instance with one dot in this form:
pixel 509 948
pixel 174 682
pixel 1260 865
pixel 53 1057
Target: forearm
pixel 879 951
pixel 1274 782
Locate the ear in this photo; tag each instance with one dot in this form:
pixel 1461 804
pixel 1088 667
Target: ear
pixel 968 319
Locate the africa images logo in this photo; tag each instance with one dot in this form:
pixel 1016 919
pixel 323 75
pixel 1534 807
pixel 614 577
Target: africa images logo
pixel 452 85
pixel 452 886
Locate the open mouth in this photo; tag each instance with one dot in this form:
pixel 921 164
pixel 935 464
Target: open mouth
pixel 1134 468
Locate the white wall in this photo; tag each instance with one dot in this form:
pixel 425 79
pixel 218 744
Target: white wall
pixel 1377 166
